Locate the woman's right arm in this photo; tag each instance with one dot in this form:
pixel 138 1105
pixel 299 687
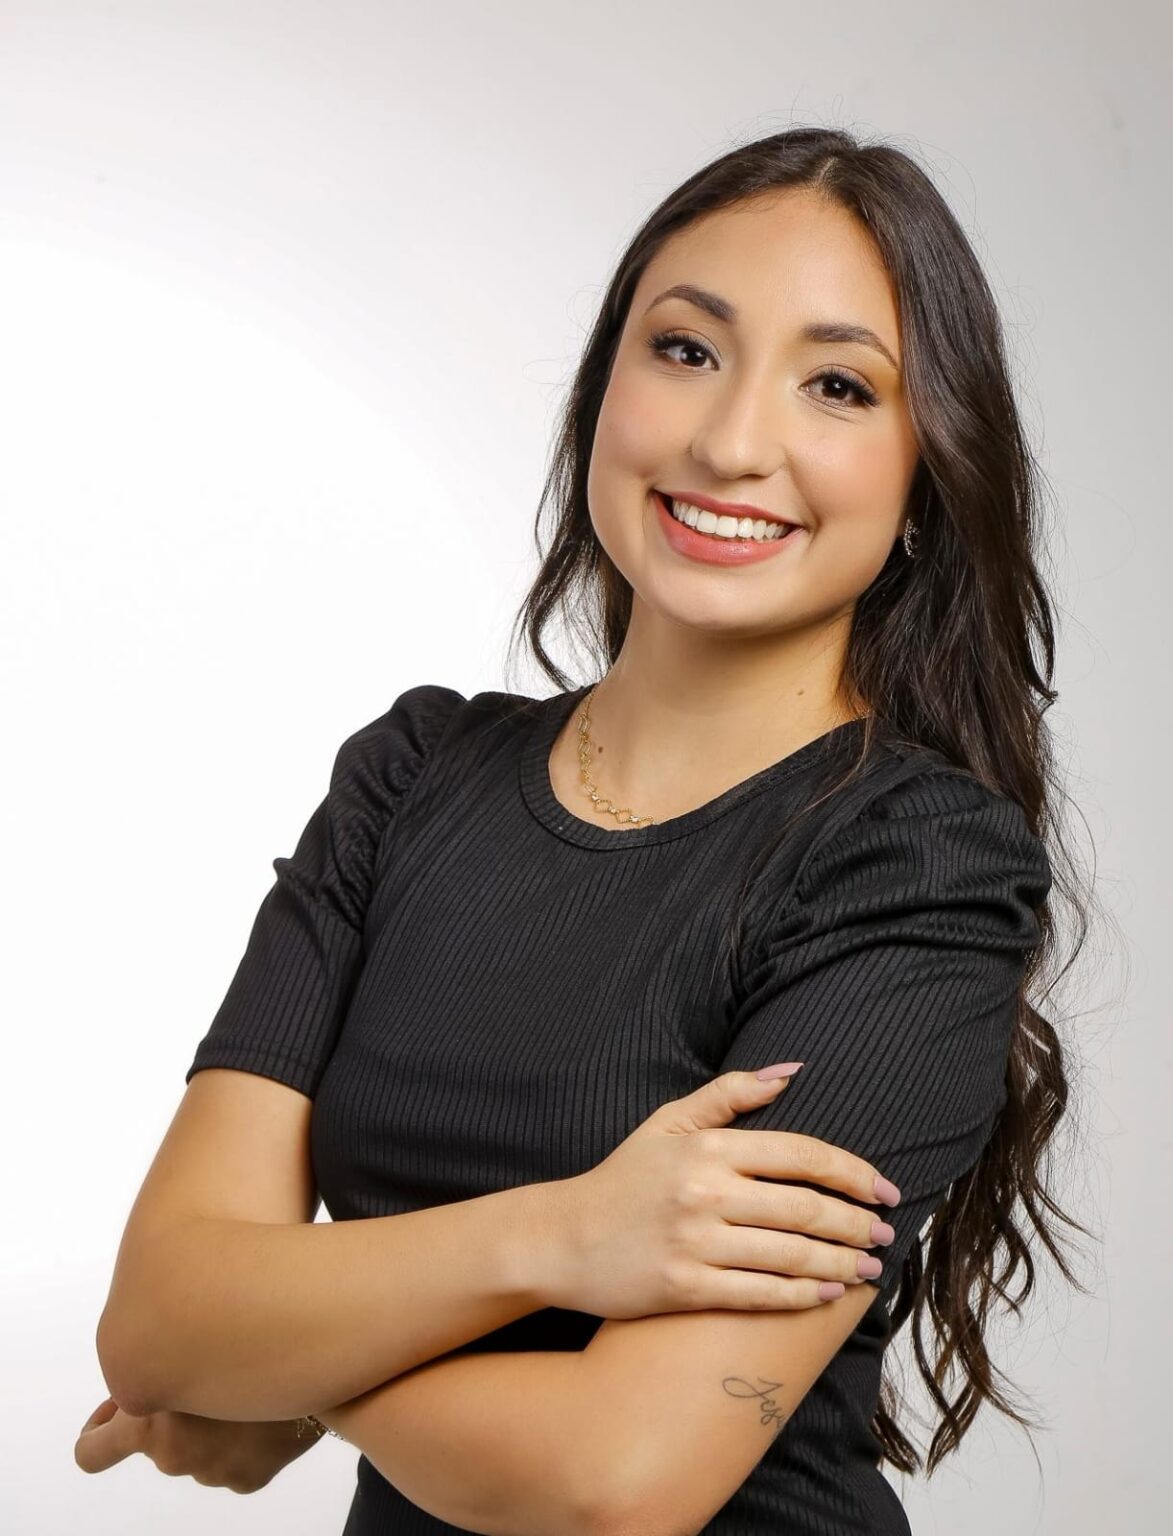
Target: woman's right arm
pixel 229 1301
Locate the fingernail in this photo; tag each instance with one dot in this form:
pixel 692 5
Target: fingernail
pixel 886 1191
pixel 882 1232
pixel 779 1069
pixel 831 1290
pixel 869 1267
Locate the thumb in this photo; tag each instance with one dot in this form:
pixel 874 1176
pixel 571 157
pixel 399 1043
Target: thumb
pixel 102 1414
pixel 718 1101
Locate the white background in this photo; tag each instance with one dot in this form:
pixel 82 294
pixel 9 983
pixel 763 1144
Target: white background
pixel 288 294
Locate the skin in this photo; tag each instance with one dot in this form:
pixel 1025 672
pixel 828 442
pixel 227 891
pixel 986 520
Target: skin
pixel 218 1453
pixel 750 658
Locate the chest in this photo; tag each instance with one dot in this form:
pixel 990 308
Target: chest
pixel 523 1006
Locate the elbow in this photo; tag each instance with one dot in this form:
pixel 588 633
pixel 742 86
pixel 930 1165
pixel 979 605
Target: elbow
pixel 624 1489
pixel 144 1339
pixel 628 1511
pixel 590 1503
pixel 646 1496
pixel 115 1359
pixel 121 1359
pixel 637 1520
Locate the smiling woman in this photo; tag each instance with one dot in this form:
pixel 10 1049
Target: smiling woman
pixel 491 975
pixel 801 331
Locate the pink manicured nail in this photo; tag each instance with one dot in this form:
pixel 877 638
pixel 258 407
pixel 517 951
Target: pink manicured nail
pixel 831 1290
pixel 779 1069
pixel 882 1232
pixel 886 1191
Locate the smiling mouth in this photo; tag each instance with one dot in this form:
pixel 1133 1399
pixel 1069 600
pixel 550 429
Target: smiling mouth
pixel 726 527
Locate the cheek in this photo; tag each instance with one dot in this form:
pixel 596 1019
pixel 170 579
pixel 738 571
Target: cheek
pixel 856 490
pixel 846 464
pixel 857 484
pixel 636 428
pixel 886 463
pixel 635 436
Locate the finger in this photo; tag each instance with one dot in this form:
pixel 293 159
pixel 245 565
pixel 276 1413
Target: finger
pixel 743 1290
pixel 791 1155
pixel 791 1208
pixel 106 1444
pixel 102 1414
pixel 720 1100
pixel 790 1256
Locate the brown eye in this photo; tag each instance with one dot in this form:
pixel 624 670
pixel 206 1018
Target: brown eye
pixel 664 341
pixel 863 392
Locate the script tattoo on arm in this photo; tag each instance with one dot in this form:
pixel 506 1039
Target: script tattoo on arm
pixel 737 1386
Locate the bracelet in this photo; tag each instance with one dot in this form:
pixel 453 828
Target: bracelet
pixel 307 1424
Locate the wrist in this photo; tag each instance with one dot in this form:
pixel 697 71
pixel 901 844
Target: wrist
pixel 537 1244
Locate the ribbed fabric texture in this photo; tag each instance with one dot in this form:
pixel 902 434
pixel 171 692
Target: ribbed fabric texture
pixel 480 989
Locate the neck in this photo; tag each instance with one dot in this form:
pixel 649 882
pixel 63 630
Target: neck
pixel 679 713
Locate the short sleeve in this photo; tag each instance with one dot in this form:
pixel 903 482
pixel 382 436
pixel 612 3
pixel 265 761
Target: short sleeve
pixel 892 970
pixel 286 1002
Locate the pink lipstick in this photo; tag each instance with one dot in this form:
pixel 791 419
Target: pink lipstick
pixel 714 550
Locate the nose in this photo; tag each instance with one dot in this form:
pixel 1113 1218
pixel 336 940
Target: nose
pixel 741 434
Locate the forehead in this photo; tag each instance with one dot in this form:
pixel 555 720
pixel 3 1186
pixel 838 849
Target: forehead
pixel 784 258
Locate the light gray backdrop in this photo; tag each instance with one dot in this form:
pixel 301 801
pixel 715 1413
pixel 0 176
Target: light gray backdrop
pixel 287 295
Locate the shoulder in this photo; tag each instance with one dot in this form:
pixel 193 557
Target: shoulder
pixel 378 764
pixel 374 771
pixel 931 834
pixel 914 845
pixel 429 725
pixel 400 738
pixel 923 873
pixel 935 814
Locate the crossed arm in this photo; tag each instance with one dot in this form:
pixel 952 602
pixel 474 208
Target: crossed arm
pixel 651 1428
pixel 898 963
pixel 202 1319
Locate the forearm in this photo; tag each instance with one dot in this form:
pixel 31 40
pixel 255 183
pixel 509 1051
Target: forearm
pixel 504 1444
pixel 243 1320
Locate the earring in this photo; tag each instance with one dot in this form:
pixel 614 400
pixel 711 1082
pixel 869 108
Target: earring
pixel 911 535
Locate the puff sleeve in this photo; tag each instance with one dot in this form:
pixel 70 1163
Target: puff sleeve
pixel 891 969
pixel 285 1004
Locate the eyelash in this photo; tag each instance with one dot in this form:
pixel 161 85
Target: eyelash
pixel 662 340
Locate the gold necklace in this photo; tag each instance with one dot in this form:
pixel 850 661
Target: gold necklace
pixel 620 813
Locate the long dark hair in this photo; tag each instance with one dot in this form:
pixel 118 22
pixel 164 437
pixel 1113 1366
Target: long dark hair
pixel 954 650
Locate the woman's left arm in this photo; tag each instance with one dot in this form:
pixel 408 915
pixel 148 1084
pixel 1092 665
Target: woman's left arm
pixel 525 1444
pixel 489 1442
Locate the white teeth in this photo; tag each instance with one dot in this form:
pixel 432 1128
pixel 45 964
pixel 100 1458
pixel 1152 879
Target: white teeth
pixel 726 527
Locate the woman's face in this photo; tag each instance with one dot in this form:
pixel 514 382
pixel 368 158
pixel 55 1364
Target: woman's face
pixel 747 409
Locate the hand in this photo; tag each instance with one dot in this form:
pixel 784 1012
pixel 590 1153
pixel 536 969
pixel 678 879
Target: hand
pixel 673 1220
pixel 219 1453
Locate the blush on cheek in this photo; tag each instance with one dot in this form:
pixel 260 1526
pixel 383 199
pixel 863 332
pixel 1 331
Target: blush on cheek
pixel 876 477
pixel 638 430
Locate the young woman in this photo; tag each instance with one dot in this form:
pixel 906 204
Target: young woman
pixel 510 990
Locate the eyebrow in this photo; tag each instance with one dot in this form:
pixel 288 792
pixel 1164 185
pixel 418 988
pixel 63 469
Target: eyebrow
pixel 817 330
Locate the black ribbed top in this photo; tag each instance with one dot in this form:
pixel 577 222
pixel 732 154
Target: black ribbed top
pixel 481 989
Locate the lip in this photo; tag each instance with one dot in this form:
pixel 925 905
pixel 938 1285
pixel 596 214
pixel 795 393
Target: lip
pixel 711 551
pixel 726 508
